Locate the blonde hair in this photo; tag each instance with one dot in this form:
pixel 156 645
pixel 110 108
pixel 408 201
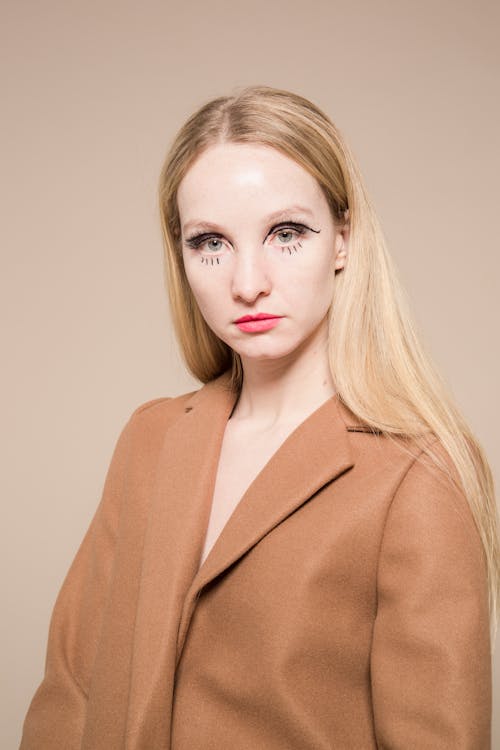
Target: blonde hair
pixel 396 389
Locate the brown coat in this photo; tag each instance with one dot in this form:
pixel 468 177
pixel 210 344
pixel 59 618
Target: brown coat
pixel 343 606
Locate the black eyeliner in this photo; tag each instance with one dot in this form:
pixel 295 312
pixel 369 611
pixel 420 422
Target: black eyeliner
pixel 196 240
pixel 299 227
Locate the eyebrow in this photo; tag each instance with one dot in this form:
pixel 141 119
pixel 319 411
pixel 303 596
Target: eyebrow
pixel 275 216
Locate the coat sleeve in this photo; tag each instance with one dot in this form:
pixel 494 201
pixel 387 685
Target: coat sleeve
pixel 431 651
pixel 56 715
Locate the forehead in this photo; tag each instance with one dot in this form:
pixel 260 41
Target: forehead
pixel 229 175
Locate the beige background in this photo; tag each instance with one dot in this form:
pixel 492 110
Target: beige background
pixel 93 93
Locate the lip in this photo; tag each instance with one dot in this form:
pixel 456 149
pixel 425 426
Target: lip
pixel 255 325
pixel 259 316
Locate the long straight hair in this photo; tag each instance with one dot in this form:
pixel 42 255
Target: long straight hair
pixel 379 366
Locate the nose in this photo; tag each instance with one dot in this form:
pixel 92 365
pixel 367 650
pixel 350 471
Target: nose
pixel 250 277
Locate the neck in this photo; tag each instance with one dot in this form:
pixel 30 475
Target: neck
pixel 284 390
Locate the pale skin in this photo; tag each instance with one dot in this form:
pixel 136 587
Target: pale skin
pixel 246 264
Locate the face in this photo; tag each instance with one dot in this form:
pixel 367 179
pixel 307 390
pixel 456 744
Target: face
pixel 258 237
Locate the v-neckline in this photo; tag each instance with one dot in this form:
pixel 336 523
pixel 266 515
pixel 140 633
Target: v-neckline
pixel 255 475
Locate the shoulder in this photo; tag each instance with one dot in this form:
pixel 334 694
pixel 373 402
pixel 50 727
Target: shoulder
pixel 416 478
pixel 164 409
pixel 429 511
pixel 160 411
pixel 434 475
pixel 143 432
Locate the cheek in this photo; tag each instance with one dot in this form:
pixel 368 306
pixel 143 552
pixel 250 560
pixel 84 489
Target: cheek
pixel 206 285
pixel 309 280
pixel 322 274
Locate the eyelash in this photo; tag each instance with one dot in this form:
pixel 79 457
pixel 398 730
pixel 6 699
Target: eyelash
pixel 197 240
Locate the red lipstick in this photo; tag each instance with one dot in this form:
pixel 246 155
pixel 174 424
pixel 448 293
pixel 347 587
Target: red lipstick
pixel 259 322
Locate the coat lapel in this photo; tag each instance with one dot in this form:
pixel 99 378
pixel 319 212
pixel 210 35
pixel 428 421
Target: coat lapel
pixel 177 519
pixel 315 453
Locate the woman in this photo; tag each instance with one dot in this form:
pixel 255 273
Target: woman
pixel 303 553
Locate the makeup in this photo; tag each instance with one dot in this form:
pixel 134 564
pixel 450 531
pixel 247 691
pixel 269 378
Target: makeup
pixel 199 241
pixel 254 326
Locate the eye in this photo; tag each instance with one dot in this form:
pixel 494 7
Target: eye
pixel 288 233
pixel 211 243
pixel 197 241
pixel 281 235
pixel 288 236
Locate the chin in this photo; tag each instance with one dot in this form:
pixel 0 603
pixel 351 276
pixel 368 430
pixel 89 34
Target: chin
pixel 262 352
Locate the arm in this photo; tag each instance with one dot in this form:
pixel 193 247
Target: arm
pixel 56 716
pixel 431 653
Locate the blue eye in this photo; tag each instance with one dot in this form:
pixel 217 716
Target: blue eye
pixel 296 229
pixel 285 231
pixel 200 239
pixel 290 234
pixel 292 229
pixel 212 240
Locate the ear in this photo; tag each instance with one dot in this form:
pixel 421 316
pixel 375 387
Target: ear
pixel 342 242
